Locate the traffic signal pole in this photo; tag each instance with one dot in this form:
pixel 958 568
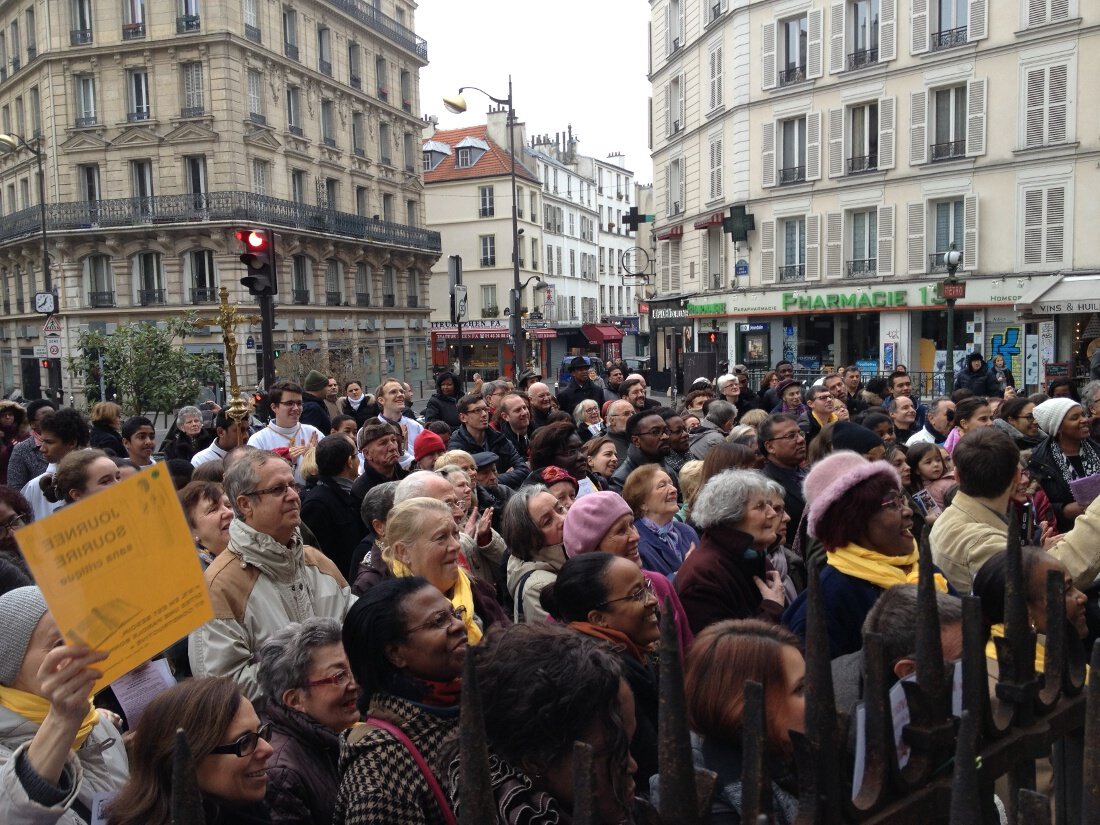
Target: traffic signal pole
pixel 267 338
pixel 262 281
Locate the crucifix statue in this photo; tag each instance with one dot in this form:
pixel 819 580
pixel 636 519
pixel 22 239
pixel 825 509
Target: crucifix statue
pixel 227 318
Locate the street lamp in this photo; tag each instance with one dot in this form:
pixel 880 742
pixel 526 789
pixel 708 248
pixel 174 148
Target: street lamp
pixel 457 105
pixel 951 290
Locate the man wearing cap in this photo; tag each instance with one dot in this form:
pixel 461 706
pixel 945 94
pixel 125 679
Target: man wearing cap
pixel 314 411
pixel 541 404
pixel 580 387
pixel 515 422
pixel 475 436
pixel 490 492
pixel 377 442
pixel 428 447
pixel 527 378
pixel 784 371
pixel 328 508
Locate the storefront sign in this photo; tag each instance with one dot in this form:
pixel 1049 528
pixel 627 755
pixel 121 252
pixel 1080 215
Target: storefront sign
pixel 753 327
pixel 630 325
pixel 485 330
pixel 846 300
pixel 867 367
pixel 1068 306
pixel 707 309
pixel 668 314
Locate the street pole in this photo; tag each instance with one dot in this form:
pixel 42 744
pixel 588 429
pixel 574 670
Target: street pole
pixel 949 370
pixel 267 338
pixel 518 347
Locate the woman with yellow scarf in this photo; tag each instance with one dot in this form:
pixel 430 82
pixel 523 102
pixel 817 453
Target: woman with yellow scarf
pixel 422 540
pixel 857 509
pixel 57 753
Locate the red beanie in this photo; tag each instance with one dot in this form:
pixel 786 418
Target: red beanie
pixel 427 443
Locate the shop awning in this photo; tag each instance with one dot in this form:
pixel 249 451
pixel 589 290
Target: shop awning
pixel 471 332
pixel 543 332
pixel 671 232
pixel 601 333
pixel 1056 294
pixel 712 220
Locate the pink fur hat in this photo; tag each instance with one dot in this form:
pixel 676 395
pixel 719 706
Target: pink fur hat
pixel 831 479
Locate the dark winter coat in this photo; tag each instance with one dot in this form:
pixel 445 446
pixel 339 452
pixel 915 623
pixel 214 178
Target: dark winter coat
pixel 315 413
pixel 635 459
pixel 332 514
pixel 442 407
pixel 847 600
pixel 793 501
pixel 1045 469
pixel 11 436
pixel 983 382
pixel 656 555
pixel 106 437
pixel 368 409
pixel 512 468
pixel 26 462
pixel 302 777
pixel 573 393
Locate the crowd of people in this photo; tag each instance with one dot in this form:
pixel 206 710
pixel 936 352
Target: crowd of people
pixel 357 552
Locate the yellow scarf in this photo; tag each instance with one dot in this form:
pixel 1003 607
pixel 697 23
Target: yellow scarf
pixel 34 708
pixel 881 571
pixel 462 596
pixel 997 631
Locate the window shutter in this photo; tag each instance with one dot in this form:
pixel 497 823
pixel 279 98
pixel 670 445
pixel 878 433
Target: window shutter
pixel 1036 108
pixel 721 269
pixel 975 118
pixel 715 169
pixel 918 29
pixel 668 110
pixel 917 264
pixel 970 233
pixel 1055 222
pixel 681 27
pixel 767 154
pixel 665 277
pixel 836 38
pixel 836 143
pixel 708 282
pixel 813 146
pixel 815 24
pixel 716 77
pixel 682 195
pixel 1059 10
pixel 767 252
pixel 1033 226
pixel 834 245
pixel 668 29
pixel 681 105
pixel 885 251
pixel 888 30
pixel 674 265
pixel 1036 12
pixel 768 77
pixel 977 27
pixel 918 128
pixel 887 107
pixel 1057 93
pixel 669 195
pixel 813 248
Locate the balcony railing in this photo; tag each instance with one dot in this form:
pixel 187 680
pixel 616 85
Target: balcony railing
pixel 134 117
pixel 414 300
pixel 257 118
pixel 80 37
pixel 300 296
pixel 866 268
pixel 150 297
pixel 192 111
pixel 333 299
pixel 862 57
pixel 865 163
pixel 792 174
pixel 253 33
pixel 330 142
pixel 949 150
pixel 188 23
pixel 290 50
pixel 104 298
pixel 795 74
pixel 230 207
pixel 389 300
pixel 792 274
pixel 325 67
pixel 360 152
pixel 87 120
pixel 948 39
pixel 133 31
pixel 936 262
pixel 204 295
pixel 362 299
pixel 389 28
pixel 16 64
pixel 295 130
pixel 32 52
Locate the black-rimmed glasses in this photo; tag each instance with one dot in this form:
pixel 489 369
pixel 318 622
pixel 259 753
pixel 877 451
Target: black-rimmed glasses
pixel 246 743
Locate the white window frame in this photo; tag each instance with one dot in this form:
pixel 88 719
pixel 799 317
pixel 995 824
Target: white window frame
pixel 1048 102
pixel 137 83
pixel 487 248
pixel 486 201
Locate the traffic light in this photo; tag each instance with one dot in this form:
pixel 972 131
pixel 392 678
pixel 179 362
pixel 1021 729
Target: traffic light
pixel 45 363
pixel 259 257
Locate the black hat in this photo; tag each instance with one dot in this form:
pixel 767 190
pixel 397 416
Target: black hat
pixel 850 436
pixel 483 460
pixel 578 363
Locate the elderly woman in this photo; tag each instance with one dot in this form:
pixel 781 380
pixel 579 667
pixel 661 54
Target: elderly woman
pixel 589 424
pixel 609 598
pixel 368 566
pixel 312 699
pixel 858 510
pixel 228 743
pixel 729 576
pixel 664 542
pixel 530 750
pixel 557 445
pixel 209 514
pixel 1064 456
pixel 561 484
pixel 1090 400
pixel 106 418
pixel 532 527
pixel 789 393
pixel 406 644
pixel 56 751
pixel 187 439
pixel 80 474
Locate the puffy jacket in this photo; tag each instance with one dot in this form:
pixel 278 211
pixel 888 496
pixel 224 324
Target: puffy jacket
pixel 98 766
pixel 706 436
pixel 258 586
pixel 983 382
pixel 533 575
pixel 442 407
pixel 315 413
pixel 333 515
pixel 302 776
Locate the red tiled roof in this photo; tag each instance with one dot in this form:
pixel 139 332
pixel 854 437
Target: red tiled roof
pixel 494 163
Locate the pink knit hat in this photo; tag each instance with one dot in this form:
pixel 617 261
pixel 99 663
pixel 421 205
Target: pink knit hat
pixel 589 519
pixel 831 479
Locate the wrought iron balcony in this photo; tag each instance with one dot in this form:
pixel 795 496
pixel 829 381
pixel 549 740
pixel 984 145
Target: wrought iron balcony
pixel 412 301
pixel 389 300
pixel 134 117
pixel 87 120
pixel 948 39
pixel 257 118
pixel 792 274
pixel 948 151
pixel 355 81
pixel 792 174
pixel 80 37
pixel 936 262
pixel 103 298
pixel 253 33
pixel 360 152
pixel 330 142
pixel 133 31
pixel 866 268
pixel 389 28
pixel 16 64
pixel 295 130
pixel 333 299
pixel 188 23
pixel 362 299
pixel 865 163
pixel 32 52
pixel 192 111
pixel 325 67
pixel 290 50
pixel 863 57
pixel 300 296
pixel 230 207
pixel 204 295
pixel 150 297
pixel 795 74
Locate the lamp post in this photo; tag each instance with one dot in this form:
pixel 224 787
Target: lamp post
pixel 457 105
pixel 951 289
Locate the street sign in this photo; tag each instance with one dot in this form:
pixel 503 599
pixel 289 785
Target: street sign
pixel 250 343
pixel 54 348
pixel 954 290
pixel 53 324
pixel 40 352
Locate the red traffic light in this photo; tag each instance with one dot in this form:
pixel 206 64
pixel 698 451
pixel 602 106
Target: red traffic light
pixel 254 239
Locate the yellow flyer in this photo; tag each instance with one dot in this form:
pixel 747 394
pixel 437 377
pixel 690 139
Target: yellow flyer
pixel 119 571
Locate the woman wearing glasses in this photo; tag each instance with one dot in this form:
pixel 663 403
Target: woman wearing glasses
pixel 608 598
pixel 228 743
pixel 859 512
pixel 312 699
pixel 1017 420
pixel 406 644
pixel 15 512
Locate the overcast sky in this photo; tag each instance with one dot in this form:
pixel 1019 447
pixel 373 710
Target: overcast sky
pixel 579 62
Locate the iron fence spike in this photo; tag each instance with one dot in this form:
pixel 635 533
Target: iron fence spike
pixel 821 717
pixel 1090 794
pixel 586 803
pixel 185 804
pixel 475 788
pixel 965 799
pixel 755 794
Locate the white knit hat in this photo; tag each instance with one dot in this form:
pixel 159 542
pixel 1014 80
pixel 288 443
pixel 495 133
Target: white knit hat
pixel 21 608
pixel 1050 413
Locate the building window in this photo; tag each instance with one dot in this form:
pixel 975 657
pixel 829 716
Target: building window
pixel 298 185
pixel 362 284
pixel 674 26
pixel 261 171
pixel 389 286
pixel 256 97
pixel 32 47
pixel 251 26
pixel 462 157
pixel 489 306
pixel 88 174
pixel 290 33
pixel 792 267
pixel 328 123
pixel 792 150
pixel 488 244
pixel 330 198
pixel 99 280
pixel 381 78
pixel 864 16
pixel 36 111
pixel 300 275
pixel 355 65
pixel 863 128
pixel 137 81
pixel 334 283
pixel 675 187
pixel 192 90
pixel 357 134
pixel 572 263
pixel 412 210
pixel 1048 106
pixel 203 276
pixel 324 50
pixel 793 44
pixel 675 111
pixel 714 64
pixel 949 25
pixel 148 278
pixel 1042 12
pixel 384 143
pixel 85 100
pixel 405 81
pixel 1044 221
pixel 81 33
pixel 388 207
pixel 486 206
pixel 949 126
pixel 194 170
pixel 362 205
pixel 141 180
pixel 863 245
pixel 947 229
pixel 294 110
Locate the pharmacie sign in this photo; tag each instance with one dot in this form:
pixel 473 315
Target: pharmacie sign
pixel 877 299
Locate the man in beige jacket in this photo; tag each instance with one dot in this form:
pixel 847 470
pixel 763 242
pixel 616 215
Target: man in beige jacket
pixel 975 526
